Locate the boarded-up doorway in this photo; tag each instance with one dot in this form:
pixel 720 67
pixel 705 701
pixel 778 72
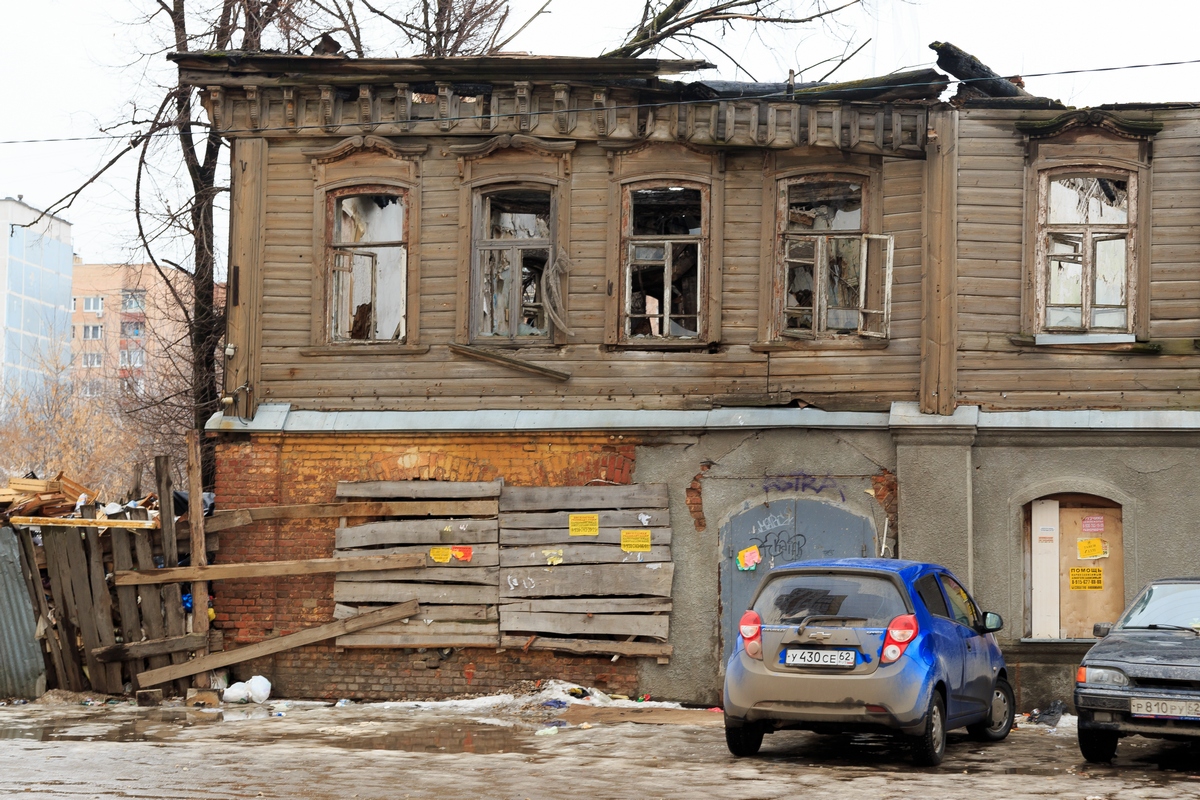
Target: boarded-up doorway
pixel 1076 565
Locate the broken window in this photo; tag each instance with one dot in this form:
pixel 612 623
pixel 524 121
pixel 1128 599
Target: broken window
pixel 1086 251
pixel 664 262
pixel 513 246
pixel 836 277
pixel 368 265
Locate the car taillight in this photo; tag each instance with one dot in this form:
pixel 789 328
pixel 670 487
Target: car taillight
pixel 900 633
pixel 750 627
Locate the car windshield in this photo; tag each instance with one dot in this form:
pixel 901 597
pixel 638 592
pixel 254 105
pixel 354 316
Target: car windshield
pixel 790 599
pixel 1165 605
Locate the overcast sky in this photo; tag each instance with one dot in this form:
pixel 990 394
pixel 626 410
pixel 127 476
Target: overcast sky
pixel 69 68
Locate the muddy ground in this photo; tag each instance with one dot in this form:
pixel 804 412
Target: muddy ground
pixel 494 751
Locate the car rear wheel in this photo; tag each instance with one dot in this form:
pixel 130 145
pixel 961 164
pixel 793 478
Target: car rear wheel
pixel 744 741
pixel 1099 747
pixel 930 747
pixel 1000 715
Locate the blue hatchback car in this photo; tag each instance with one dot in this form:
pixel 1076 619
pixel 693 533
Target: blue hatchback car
pixel 867 644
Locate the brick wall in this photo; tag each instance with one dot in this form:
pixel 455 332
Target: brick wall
pixel 284 470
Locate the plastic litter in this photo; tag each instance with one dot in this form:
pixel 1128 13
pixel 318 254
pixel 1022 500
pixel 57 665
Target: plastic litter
pixel 546 732
pixel 341 703
pixel 557 723
pixel 260 689
pixel 236 693
pixel 577 692
pixel 112 509
pixel 555 704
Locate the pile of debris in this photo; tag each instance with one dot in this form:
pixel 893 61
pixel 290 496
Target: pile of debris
pixel 31 496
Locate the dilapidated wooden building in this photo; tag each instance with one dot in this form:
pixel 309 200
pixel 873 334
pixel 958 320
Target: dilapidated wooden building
pixel 613 341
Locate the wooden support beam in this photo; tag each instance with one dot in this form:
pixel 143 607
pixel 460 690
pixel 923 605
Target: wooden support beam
pixel 223 520
pixel 63 522
pixel 588 646
pixel 270 646
pixel 262 569
pixel 419 490
pixel 152 647
pixel 172 595
pixel 197 555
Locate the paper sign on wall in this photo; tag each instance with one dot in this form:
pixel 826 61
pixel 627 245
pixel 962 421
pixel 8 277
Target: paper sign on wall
pixel 584 524
pixel 1089 579
pixel 1093 524
pixel 461 552
pixel 440 554
pixel 553 557
pixel 1091 548
pixel 635 541
pixel 746 559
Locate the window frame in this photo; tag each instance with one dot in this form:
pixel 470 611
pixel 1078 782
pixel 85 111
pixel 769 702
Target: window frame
pixel 479 244
pixel 868 232
pixel 99 333
pixel 627 240
pixel 133 301
pixel 1044 230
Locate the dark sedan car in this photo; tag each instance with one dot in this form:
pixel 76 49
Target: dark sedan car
pixel 1143 676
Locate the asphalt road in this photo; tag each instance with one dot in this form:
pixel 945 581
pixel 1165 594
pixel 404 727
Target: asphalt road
pixel 378 752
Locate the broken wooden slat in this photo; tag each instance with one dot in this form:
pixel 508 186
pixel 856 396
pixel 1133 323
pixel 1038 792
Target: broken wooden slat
pixel 195 535
pixel 591 605
pixel 416 640
pixel 464 613
pixel 279 644
pixel 641 519
pixel 655 627
pixel 131 651
pixel 578 554
pixel 223 520
pixel 33 579
pixel 580 498
pixel 426 593
pixel 601 580
pixel 64 523
pixel 510 362
pixel 419 531
pixel 101 599
pixel 419 490
pixel 80 606
pixel 64 601
pixel 588 646
pixel 127 603
pixel 515 537
pixel 260 569
pixel 415 626
pixel 481 555
pixel 151 604
pixel 442 574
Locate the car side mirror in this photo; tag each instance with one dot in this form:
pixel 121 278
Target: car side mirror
pixel 1101 629
pixel 992 622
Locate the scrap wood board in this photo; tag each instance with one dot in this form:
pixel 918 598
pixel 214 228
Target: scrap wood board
pixel 588 646
pixel 654 627
pixel 553 555
pixel 418 531
pixel 645 518
pixel 515 537
pixel 260 569
pixel 431 593
pixel 223 520
pixel 423 490
pixel 596 580
pixel 440 613
pixel 581 498
pixel 448 556
pixel 438 574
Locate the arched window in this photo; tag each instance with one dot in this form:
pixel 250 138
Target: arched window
pixel 368 263
pixel 513 242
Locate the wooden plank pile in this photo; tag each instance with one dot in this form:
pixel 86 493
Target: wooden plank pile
pixel 44 498
pixel 453 527
pixel 586 569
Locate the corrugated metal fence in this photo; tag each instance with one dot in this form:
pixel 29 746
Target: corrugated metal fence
pixel 22 670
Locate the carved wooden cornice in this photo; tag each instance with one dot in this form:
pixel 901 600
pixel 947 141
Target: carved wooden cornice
pixel 354 144
pixel 1089 118
pixel 517 141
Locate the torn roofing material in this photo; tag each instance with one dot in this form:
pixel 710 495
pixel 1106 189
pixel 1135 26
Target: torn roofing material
pixel 923 84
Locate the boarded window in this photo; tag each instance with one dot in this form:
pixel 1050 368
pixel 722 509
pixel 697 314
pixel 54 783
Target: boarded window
pixel 368 266
pixel 664 248
pixel 1086 249
pixel 513 243
pixel 835 276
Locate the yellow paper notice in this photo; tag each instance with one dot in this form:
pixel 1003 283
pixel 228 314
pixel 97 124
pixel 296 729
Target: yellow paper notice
pixel 441 554
pixel 1087 579
pixel 584 524
pixel 635 541
pixel 1092 548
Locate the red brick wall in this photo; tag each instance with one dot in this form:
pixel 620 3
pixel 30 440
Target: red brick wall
pixel 284 470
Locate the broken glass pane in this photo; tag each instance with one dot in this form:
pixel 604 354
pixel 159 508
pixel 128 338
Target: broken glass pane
pixel 799 264
pixel 1109 318
pixel 666 211
pixel 645 300
pixel 649 252
pixel 495 267
pixel 352 305
pixel 533 312
pixel 1110 272
pixel 1085 200
pixel 1064 317
pixel 518 214
pixel 1065 277
pixel 368 218
pixel 843 272
pixel 685 288
pixel 824 206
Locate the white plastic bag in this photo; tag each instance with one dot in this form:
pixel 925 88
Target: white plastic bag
pixel 260 689
pixel 236 693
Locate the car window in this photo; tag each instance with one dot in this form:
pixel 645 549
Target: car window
pixel 927 589
pixel 789 599
pixel 961 608
pixel 1165 604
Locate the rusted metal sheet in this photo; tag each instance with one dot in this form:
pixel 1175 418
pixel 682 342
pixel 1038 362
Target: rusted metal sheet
pixel 22 670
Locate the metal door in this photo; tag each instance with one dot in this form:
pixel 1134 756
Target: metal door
pixel 778 532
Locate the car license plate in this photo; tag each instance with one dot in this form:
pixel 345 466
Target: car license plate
pixel 812 657
pixel 1164 707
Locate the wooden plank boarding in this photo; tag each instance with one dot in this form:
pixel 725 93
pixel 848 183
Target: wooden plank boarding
pixel 53 541
pixel 591 605
pixel 62 522
pixel 37 595
pixel 515 537
pixel 81 608
pixel 642 518
pixel 439 574
pixel 172 594
pixel 578 554
pixel 481 555
pixel 438 613
pixel 101 599
pixel 279 644
pixel 224 520
pixel 151 604
pixel 419 531
pixel 655 627
pixel 127 603
pixel 416 640
pixel 588 646
pixel 426 593
pixel 198 556
pixel 581 498
pixel 130 652
pixel 422 490
pixel 259 569
pixel 601 580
